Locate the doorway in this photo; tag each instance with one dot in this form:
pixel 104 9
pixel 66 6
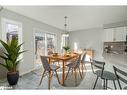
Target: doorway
pixel 10 29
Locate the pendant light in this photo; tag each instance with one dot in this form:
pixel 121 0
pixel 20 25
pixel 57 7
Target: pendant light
pixel 66 33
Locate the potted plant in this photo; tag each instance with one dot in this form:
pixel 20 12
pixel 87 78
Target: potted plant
pixel 11 53
pixel 66 48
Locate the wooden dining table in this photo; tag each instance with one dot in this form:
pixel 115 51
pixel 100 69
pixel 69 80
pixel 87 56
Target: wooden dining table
pixel 63 59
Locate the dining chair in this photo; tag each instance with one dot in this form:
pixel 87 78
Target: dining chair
pixel 83 62
pixel 49 69
pixel 74 66
pixel 101 73
pixel 121 76
pixel 50 52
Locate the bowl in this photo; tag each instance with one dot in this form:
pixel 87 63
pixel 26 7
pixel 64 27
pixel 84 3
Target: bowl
pixel 66 55
pixel 55 54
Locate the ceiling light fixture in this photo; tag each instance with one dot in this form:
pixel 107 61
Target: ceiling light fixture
pixel 66 33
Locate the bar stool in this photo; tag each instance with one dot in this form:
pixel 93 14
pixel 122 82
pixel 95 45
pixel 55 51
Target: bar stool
pixel 101 73
pixel 120 76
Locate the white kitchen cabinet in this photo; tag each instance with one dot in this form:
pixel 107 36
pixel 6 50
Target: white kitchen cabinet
pixel 120 34
pixel 108 35
pixel 115 34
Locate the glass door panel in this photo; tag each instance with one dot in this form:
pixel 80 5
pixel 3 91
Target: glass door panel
pixel 12 31
pixel 39 46
pixel 51 42
pixel 43 42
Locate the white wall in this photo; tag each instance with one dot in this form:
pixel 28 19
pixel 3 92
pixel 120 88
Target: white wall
pixel 28 25
pixel 2 69
pixel 89 39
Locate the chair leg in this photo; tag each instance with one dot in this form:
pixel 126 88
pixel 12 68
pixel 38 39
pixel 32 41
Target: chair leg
pixel 57 77
pixel 72 71
pixel 42 77
pixel 67 73
pixel 95 82
pixel 114 84
pixel 85 67
pixel 80 73
pixel 106 82
pixel 119 84
pixel 75 77
pixel 49 79
pixel 82 68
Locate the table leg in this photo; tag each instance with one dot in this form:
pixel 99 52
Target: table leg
pixel 63 73
pixel 49 79
pixel 49 60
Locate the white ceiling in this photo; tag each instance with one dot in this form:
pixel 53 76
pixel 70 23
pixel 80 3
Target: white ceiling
pixel 79 17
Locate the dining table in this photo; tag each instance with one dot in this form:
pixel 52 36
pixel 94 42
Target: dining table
pixel 64 59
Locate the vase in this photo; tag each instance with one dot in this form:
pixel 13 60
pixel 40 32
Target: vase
pixel 12 78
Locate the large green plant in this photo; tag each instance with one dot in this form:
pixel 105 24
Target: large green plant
pixel 11 54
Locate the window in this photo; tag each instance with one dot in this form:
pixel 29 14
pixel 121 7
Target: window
pixel 65 40
pixel 51 42
pixel 12 31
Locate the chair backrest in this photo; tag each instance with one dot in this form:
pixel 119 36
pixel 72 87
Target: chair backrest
pixel 45 63
pixel 50 52
pixel 83 58
pixel 97 64
pixel 78 61
pixel 121 75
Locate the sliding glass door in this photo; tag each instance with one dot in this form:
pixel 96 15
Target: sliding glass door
pixel 43 42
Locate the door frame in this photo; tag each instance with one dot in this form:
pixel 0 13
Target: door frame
pixel 5 21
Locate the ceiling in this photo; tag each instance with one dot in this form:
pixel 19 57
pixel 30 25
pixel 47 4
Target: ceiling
pixel 79 17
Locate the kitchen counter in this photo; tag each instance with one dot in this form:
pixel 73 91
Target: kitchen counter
pixel 119 60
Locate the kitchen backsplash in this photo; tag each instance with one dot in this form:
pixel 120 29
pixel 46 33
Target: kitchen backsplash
pixel 115 47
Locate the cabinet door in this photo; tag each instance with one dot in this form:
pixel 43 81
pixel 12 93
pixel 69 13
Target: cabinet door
pixel 120 34
pixel 108 35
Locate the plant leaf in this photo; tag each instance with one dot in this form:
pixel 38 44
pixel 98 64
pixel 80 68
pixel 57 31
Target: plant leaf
pixel 5 45
pixel 3 57
pixel 20 45
pixel 21 52
pixel 3 65
pixel 7 55
pixel 18 62
pixel 11 54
